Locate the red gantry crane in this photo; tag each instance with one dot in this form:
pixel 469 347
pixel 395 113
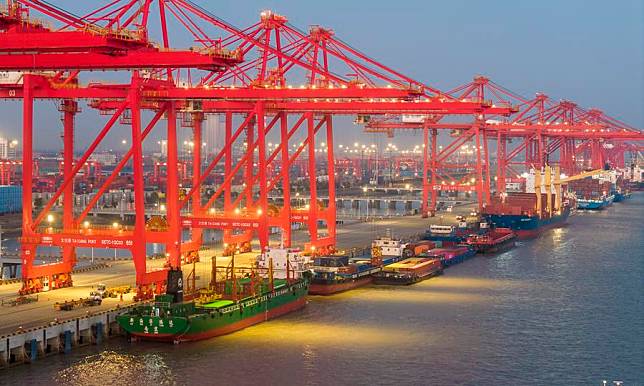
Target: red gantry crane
pixel 116 37
pixel 270 80
pixel 542 127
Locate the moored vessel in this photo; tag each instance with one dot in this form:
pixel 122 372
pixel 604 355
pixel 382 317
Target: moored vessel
pixel 451 255
pixel 527 223
pixel 452 234
pixel 409 271
pixel 333 274
pixel 496 240
pixel 244 297
pixel 389 246
pixel 592 203
pixel 597 191
pixel 541 207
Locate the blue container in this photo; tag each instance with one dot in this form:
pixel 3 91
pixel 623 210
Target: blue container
pixel 10 199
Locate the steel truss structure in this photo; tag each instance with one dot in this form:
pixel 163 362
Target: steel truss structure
pixel 544 130
pixel 268 80
pixel 242 76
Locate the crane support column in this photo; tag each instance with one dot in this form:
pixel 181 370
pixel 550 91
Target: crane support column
pixel 69 108
pixel 331 209
pixel 27 248
pixel 138 248
pixel 423 206
pixel 173 243
pixel 286 181
pixel 434 191
pixel 313 204
pixel 228 162
pixel 479 168
pixel 262 211
pixel 487 169
pixel 197 123
pixel 501 142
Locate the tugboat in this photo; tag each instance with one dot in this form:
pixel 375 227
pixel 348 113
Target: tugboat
pixel 409 271
pixel 245 296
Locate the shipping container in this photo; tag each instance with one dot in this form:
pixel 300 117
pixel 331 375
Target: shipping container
pixel 10 199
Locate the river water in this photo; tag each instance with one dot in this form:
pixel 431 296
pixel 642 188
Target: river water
pixel 564 309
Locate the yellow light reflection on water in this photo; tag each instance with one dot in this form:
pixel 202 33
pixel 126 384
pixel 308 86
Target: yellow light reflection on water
pixel 471 283
pixel 290 332
pixel 422 297
pixel 112 368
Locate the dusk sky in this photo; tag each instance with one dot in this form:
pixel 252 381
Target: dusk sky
pixel 590 52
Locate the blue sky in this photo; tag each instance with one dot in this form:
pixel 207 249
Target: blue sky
pixel 590 52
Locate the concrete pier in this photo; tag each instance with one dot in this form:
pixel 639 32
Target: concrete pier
pixel 27 346
pixel 9 266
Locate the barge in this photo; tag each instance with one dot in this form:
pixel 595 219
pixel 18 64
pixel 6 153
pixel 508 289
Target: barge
pixel 451 255
pixel 496 240
pixel 409 271
pixel 334 274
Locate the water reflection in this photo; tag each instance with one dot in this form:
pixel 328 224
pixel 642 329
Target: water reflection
pixel 313 334
pixel 564 308
pixel 112 368
pixel 418 296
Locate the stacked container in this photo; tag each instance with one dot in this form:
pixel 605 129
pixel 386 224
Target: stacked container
pixel 518 204
pixel 591 188
pixel 10 199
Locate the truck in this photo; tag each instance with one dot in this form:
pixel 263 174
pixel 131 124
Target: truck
pixel 103 292
pixel 69 305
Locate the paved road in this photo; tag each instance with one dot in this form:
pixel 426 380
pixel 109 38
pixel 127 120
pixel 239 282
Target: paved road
pixel 357 234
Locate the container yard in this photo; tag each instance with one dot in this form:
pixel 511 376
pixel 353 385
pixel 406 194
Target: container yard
pixel 179 181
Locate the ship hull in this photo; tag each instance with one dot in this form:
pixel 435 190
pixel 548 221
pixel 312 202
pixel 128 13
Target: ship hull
pixel 325 288
pixel 619 197
pixel 495 248
pixel 458 259
pixel 592 205
pixel 209 324
pixel 528 226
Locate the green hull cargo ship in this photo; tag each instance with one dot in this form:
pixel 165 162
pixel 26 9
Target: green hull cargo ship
pixel 240 301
